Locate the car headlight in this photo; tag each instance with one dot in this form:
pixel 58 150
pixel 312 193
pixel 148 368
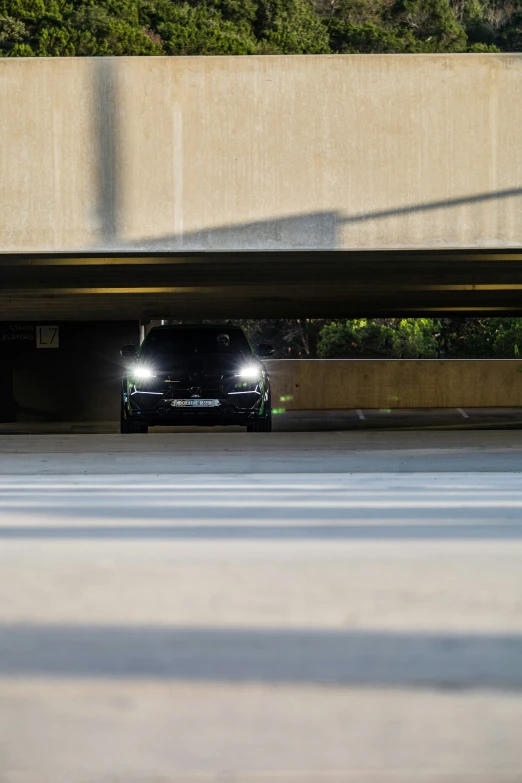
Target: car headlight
pixel 142 372
pixel 251 373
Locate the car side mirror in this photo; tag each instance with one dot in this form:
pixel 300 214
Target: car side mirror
pixel 128 352
pixel 264 350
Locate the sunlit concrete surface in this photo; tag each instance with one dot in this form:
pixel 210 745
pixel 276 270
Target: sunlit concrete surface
pixel 256 608
pixel 162 154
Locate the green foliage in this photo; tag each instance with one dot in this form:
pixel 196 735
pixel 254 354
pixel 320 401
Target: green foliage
pixel 483 48
pixel 422 338
pixel 510 37
pixel 51 28
pixel 431 21
pixel 23 9
pixel 370 38
pixel 290 27
pixel 204 31
pixel 401 338
pixel 357 12
pixel 481 338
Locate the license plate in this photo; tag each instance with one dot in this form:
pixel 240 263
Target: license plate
pixel 195 403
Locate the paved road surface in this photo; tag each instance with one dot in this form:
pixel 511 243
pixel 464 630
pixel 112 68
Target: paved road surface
pixel 319 421
pixel 172 609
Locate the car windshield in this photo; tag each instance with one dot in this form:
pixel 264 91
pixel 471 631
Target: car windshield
pixel 165 342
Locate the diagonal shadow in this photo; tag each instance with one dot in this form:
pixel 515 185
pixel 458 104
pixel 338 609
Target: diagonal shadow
pixel 429 206
pixel 307 231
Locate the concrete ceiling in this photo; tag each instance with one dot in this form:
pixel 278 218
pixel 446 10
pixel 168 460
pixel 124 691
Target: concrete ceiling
pixel 261 285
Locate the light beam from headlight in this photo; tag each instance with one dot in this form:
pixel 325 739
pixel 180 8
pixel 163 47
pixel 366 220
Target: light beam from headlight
pixel 142 372
pixel 250 373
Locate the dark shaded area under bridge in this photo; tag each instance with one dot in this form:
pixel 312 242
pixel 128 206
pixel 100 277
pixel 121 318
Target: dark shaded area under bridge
pixel 320 283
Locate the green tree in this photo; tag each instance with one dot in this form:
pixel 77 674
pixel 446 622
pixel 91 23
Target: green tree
pixel 290 27
pixel 430 21
pixel 482 48
pixel 481 338
pixel 357 12
pixel 510 36
pixel 51 28
pixel 371 38
pixel 400 338
pixel 23 9
pixel 204 31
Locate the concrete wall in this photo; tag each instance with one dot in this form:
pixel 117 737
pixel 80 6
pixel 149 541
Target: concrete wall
pixel 322 152
pixel 337 385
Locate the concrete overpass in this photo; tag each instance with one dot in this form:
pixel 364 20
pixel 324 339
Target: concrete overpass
pixel 142 188
pixel 260 186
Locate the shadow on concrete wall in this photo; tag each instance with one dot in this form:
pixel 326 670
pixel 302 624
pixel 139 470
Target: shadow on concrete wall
pixel 311 231
pixel 108 131
pixel 308 231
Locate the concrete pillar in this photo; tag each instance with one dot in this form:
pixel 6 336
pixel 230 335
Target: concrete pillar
pixel 151 324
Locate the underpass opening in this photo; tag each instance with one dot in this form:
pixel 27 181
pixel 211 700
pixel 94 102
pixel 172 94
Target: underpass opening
pixel 67 376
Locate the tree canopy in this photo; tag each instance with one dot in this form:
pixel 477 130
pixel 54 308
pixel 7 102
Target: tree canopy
pixel 52 28
pixel 422 338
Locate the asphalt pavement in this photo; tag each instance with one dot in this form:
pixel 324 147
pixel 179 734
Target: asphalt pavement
pixel 331 606
pixel 360 419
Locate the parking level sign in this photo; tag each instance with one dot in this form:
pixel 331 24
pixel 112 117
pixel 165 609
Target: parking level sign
pixel 47 337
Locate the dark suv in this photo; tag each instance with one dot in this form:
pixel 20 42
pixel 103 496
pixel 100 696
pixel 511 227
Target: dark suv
pixel 195 375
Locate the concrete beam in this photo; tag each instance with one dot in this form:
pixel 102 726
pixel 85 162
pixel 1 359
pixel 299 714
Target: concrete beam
pixel 261 285
pixel 260 153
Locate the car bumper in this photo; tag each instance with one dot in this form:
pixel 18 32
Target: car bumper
pixel 225 414
pixel 201 418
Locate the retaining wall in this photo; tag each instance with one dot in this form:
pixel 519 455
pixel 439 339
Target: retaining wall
pixel 343 384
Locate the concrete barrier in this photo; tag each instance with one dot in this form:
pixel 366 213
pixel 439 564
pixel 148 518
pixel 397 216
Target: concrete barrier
pixel 345 384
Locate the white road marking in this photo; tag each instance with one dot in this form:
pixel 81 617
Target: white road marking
pixel 463 413
pixel 360 413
